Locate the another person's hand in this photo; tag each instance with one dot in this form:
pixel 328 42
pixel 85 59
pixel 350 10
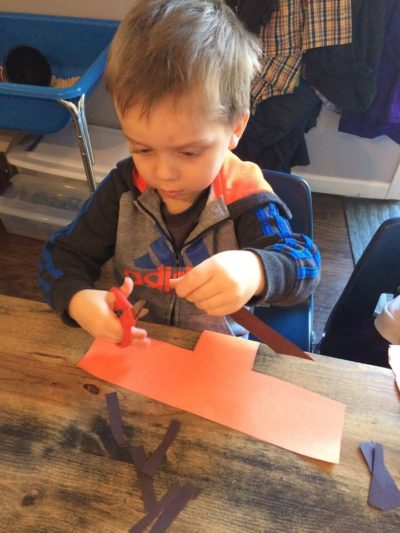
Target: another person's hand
pixel 92 310
pixel 223 283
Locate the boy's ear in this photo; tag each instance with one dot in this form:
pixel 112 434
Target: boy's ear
pixel 238 129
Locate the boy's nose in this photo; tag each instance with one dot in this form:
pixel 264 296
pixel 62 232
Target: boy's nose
pixel 165 170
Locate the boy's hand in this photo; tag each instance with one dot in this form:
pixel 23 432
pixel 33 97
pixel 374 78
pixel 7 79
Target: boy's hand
pixel 223 283
pixel 92 310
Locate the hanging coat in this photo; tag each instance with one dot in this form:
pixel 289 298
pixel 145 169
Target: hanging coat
pixel 347 74
pixel 383 116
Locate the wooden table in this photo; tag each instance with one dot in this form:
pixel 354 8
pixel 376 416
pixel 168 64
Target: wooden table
pixel 60 470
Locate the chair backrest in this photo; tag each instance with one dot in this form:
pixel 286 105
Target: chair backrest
pixel 295 322
pixel 296 194
pixel 377 272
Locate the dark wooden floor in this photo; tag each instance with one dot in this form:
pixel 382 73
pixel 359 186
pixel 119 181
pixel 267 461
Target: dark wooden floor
pixel 330 234
pixel 19 257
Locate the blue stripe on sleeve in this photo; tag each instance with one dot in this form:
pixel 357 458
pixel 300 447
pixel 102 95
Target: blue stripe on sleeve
pixel 272 223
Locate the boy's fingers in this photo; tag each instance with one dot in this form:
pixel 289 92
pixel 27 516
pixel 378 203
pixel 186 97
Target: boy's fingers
pixel 140 342
pixel 112 330
pixel 219 305
pixel 194 279
pixel 138 333
pixel 206 294
pixel 115 333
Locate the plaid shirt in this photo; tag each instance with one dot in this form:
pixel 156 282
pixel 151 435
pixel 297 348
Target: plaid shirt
pixel 295 26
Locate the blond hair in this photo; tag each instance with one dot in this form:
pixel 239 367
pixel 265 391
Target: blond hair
pixel 174 47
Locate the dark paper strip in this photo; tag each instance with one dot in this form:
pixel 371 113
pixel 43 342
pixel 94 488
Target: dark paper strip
pixel 169 496
pixel 172 509
pixel 137 452
pixel 156 458
pixel 145 481
pixel 383 492
pixel 367 449
pixel 114 414
pixel 267 335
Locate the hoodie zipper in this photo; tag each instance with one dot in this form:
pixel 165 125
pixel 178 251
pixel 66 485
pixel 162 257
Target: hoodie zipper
pixel 214 225
pixel 177 253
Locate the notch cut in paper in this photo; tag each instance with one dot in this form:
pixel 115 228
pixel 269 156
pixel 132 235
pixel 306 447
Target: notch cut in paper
pixel 216 381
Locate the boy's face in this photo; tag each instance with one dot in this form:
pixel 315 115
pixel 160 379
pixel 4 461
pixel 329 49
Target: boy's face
pixel 178 149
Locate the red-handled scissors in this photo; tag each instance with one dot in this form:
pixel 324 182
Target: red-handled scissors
pixel 128 313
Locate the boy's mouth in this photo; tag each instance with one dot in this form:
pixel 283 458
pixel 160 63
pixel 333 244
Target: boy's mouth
pixel 171 194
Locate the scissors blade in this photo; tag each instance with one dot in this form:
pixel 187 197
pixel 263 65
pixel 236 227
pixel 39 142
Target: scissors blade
pixel 139 309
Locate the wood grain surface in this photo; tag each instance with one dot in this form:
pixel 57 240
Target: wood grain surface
pixel 61 471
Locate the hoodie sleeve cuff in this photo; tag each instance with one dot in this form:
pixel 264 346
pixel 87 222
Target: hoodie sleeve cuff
pixel 63 290
pixel 279 275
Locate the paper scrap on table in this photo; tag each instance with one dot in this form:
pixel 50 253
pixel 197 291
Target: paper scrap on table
pixel 216 381
pixel 383 492
pixel 165 510
pixel 394 361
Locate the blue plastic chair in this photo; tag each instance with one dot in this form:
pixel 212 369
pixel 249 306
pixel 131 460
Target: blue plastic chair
pixel 377 272
pixel 295 322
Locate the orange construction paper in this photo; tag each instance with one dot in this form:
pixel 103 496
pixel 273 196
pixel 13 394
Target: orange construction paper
pixel 216 381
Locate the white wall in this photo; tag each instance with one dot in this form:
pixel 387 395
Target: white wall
pixel 102 9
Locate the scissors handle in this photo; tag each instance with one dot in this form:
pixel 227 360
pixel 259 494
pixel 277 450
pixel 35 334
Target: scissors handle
pixel 127 317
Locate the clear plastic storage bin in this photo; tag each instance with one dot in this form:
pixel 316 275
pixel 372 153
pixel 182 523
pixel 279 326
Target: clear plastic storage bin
pixel 56 154
pixel 36 206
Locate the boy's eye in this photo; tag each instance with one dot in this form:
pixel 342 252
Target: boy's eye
pixel 190 153
pixel 140 150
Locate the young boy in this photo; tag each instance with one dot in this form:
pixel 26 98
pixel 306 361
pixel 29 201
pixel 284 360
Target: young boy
pixel 196 231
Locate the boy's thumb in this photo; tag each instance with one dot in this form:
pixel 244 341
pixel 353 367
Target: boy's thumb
pixel 127 286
